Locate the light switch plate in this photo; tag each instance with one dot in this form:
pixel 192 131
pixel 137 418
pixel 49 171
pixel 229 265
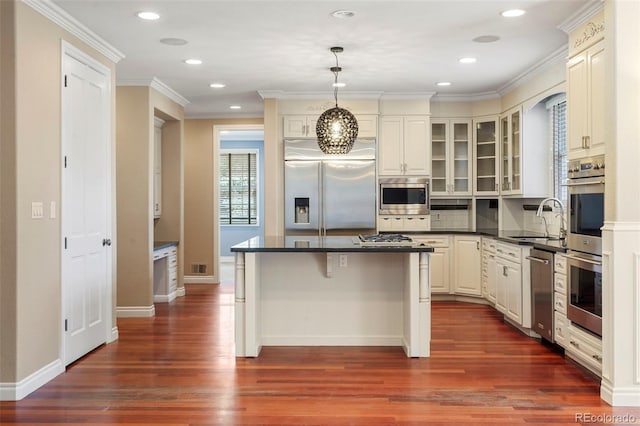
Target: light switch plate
pixel 52 210
pixel 37 210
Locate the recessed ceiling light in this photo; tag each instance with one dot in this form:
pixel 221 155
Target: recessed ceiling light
pixel 467 60
pixel 173 41
pixel 193 61
pixel 339 84
pixel 148 16
pixel 513 13
pixel 235 107
pixel 444 83
pixel 217 85
pixel 486 39
pixel 343 14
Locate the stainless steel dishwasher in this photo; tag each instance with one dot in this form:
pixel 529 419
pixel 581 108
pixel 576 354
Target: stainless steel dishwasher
pixel 542 292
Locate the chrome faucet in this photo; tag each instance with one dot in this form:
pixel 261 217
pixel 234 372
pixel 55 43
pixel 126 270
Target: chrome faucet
pixel 563 230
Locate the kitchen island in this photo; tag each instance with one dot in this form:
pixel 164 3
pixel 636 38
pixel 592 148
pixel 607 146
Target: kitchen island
pixel 331 291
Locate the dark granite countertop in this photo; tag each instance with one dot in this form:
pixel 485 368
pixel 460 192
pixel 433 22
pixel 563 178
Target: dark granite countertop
pixel 157 245
pixel 319 244
pixel 522 238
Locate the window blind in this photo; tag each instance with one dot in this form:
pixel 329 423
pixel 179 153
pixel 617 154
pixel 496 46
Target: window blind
pixel 238 189
pixel 559 119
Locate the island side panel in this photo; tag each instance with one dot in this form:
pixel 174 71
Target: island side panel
pixel 424 307
pixel 240 309
pixel 360 304
pixel 417 313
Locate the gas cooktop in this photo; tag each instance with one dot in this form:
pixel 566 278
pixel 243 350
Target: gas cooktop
pixel 385 240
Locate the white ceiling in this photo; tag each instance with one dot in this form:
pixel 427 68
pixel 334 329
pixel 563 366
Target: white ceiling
pixel 400 47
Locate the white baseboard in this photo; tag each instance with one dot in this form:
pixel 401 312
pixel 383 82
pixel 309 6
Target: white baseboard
pixel 322 340
pixel 200 279
pixel 164 298
pixel 114 335
pixel 180 292
pixel 135 311
pixel 227 259
pixel 17 391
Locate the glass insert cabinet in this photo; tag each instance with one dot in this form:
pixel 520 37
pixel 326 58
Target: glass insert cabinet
pixel 451 163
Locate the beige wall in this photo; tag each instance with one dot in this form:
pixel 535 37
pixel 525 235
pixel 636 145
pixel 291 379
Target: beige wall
pixel 135 110
pixel 8 287
pixel 198 190
pixel 30 331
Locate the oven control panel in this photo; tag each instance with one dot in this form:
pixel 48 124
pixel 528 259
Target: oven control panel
pixel 586 167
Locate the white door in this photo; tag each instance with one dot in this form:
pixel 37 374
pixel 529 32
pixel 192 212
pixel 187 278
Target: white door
pixel 85 208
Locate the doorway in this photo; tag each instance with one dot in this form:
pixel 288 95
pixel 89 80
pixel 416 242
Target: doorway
pixel 239 189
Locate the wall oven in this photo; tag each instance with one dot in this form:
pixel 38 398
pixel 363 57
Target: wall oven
pixel 404 196
pixel 586 205
pixel 584 240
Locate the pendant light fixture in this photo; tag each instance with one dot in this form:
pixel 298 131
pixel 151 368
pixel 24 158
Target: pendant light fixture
pixel 337 128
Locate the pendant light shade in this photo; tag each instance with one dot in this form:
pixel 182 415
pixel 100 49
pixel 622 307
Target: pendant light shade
pixel 337 128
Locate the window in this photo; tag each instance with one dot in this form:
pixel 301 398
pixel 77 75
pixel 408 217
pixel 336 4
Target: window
pixel 238 188
pixel 558 117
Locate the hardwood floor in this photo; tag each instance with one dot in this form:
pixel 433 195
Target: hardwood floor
pixel 179 368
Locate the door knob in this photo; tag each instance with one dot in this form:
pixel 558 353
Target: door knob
pixel 106 242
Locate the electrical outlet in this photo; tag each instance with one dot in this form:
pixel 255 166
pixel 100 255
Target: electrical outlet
pixel 343 260
pixel 37 210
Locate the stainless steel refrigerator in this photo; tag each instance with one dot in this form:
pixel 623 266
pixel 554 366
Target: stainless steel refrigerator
pixel 329 194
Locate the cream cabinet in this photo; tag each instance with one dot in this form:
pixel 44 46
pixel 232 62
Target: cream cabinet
pixel 585 348
pixel 586 102
pixel 509 281
pixel 157 167
pixel 403 146
pixel 299 126
pixel 486 173
pixel 467 265
pixel 399 223
pixel 451 152
pixel 439 263
pixel 561 324
pixel 524 152
pixel 304 126
pixel 489 269
pixel 165 273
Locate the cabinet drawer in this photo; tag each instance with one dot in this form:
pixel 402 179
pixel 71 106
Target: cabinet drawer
pixel 560 264
pixel 390 223
pixel 432 240
pixel 560 302
pixel 510 252
pixel 417 223
pixel 489 244
pixel 585 348
pixel 561 329
pixel 560 283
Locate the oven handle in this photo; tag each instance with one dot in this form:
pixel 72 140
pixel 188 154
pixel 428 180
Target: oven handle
pixel 536 259
pixel 582 259
pixel 584 183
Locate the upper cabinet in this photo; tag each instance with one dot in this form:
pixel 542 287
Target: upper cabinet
pixel 157 167
pixel 485 152
pixel 585 102
pixel 403 147
pixel 300 126
pixel 524 152
pixel 304 126
pixel 451 150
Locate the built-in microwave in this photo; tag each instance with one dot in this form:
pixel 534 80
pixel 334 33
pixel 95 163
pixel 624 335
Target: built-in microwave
pixel 404 196
pixel 584 298
pixel 586 205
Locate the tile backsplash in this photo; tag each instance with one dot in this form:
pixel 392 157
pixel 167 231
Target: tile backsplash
pixel 450 219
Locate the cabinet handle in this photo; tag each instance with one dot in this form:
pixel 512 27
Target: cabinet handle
pixel 496 187
pixel 574 344
pixel 477 245
pixel 597 357
pixel 587 141
pixel 505 271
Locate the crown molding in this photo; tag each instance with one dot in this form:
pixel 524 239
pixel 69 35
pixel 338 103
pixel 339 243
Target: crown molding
pixel 219 116
pixel 581 16
pixel 560 55
pixel 156 84
pixel 407 96
pixel 465 97
pixel 281 94
pixel 60 17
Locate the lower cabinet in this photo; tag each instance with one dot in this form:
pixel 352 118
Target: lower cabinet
pixel 467 277
pixel 510 282
pixel 585 348
pixel 165 274
pixel 439 262
pixel 489 269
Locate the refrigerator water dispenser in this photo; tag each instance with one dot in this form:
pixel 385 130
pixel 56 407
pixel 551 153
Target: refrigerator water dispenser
pixel 302 210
